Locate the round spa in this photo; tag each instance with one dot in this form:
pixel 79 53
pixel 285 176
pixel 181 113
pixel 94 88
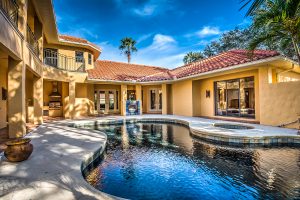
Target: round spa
pixel 163 161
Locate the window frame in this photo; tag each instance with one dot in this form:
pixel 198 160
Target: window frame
pixel 79 58
pixel 216 98
pixel 89 59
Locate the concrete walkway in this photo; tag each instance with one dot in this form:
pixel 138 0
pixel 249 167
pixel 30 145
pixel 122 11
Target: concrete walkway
pixel 54 169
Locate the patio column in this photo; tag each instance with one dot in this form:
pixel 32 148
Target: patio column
pixel 72 99
pixel 123 99
pixel 138 93
pixel 16 99
pixel 38 99
pixel 164 99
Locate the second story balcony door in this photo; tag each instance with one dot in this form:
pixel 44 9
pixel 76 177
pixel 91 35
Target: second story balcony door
pixel 50 57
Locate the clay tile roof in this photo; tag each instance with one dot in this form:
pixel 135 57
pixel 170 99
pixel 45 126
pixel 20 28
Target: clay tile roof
pixel 223 60
pixel 69 38
pixel 118 71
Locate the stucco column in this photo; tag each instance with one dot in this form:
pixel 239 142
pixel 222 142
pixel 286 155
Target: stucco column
pixel 38 99
pixel 123 99
pixel 65 99
pixel 138 93
pixel 164 99
pixel 72 99
pixel 16 98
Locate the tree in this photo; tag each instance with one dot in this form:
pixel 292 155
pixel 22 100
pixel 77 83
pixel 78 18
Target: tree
pixel 127 47
pixel 192 57
pixel 277 21
pixel 256 4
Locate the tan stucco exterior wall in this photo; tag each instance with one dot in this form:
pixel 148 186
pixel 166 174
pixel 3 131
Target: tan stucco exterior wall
pixel 3 84
pixel 279 102
pixel 84 103
pixel 183 98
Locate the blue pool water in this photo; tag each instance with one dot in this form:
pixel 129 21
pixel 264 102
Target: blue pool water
pixel 162 161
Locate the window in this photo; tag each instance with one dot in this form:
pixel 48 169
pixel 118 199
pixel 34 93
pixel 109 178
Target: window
pixel 90 59
pixel 235 97
pixel 79 56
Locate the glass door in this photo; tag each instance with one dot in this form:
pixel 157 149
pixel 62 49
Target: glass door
pixel 102 100
pixel 107 101
pixel 155 99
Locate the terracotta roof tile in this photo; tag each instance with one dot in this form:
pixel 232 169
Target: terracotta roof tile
pixel 117 71
pixel 69 38
pixel 223 60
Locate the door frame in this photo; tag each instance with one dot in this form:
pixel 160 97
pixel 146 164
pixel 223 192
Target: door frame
pixel 116 101
pixel 157 102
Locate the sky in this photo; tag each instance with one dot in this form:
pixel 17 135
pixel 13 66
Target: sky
pixel 165 30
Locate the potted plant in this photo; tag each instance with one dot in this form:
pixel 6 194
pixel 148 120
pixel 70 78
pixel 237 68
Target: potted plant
pixel 18 150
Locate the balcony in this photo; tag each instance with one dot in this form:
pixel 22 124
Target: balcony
pixel 54 59
pixel 33 42
pixel 11 9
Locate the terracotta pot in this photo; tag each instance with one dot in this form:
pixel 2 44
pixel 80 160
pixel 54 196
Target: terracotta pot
pixel 18 150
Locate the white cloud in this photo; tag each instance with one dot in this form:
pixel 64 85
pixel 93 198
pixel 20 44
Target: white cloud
pixel 208 31
pixel 163 51
pixel 147 10
pixel 144 37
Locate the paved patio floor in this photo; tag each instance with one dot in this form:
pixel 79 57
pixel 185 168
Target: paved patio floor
pixel 54 169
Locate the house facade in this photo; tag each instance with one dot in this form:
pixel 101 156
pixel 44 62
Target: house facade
pixel 43 73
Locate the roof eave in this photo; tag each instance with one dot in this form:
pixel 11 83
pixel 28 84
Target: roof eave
pixel 196 76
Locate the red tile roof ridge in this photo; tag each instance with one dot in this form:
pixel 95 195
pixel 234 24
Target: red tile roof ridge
pixel 140 65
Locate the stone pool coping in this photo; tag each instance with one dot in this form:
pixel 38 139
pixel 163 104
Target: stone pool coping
pixel 205 129
pixel 53 171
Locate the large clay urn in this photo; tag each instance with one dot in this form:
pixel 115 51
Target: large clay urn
pixel 18 150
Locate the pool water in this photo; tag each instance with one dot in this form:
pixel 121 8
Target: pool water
pixel 163 161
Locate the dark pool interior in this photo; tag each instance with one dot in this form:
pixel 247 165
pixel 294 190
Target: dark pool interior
pixel 163 161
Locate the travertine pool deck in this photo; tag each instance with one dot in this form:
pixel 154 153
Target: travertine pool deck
pixel 54 169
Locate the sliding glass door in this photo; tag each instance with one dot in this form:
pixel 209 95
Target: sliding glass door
pixel 235 98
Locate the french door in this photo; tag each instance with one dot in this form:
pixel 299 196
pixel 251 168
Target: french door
pixel 107 101
pixel 155 99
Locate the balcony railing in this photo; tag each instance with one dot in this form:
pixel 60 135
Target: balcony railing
pixel 33 42
pixel 11 10
pixel 60 61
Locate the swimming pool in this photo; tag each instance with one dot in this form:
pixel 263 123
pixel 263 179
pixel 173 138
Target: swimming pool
pixel 163 161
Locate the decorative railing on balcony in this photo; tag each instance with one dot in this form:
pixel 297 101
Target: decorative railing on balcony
pixel 60 61
pixel 32 41
pixel 11 9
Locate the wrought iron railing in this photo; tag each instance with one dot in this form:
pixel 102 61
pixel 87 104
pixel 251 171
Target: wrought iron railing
pixel 11 9
pixel 32 41
pixel 60 61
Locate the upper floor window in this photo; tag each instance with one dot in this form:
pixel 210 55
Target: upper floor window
pixel 79 56
pixel 90 59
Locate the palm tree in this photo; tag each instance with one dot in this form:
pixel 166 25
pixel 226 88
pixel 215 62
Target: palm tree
pixel 192 57
pixel 253 7
pixel 128 47
pixel 277 20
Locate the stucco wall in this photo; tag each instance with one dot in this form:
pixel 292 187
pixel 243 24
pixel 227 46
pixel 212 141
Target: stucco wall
pixel 279 102
pixel 3 84
pixel 182 98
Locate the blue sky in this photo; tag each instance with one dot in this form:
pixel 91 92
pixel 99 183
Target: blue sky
pixel 165 30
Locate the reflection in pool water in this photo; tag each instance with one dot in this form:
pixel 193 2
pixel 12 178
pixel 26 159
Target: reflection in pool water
pixel 162 161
